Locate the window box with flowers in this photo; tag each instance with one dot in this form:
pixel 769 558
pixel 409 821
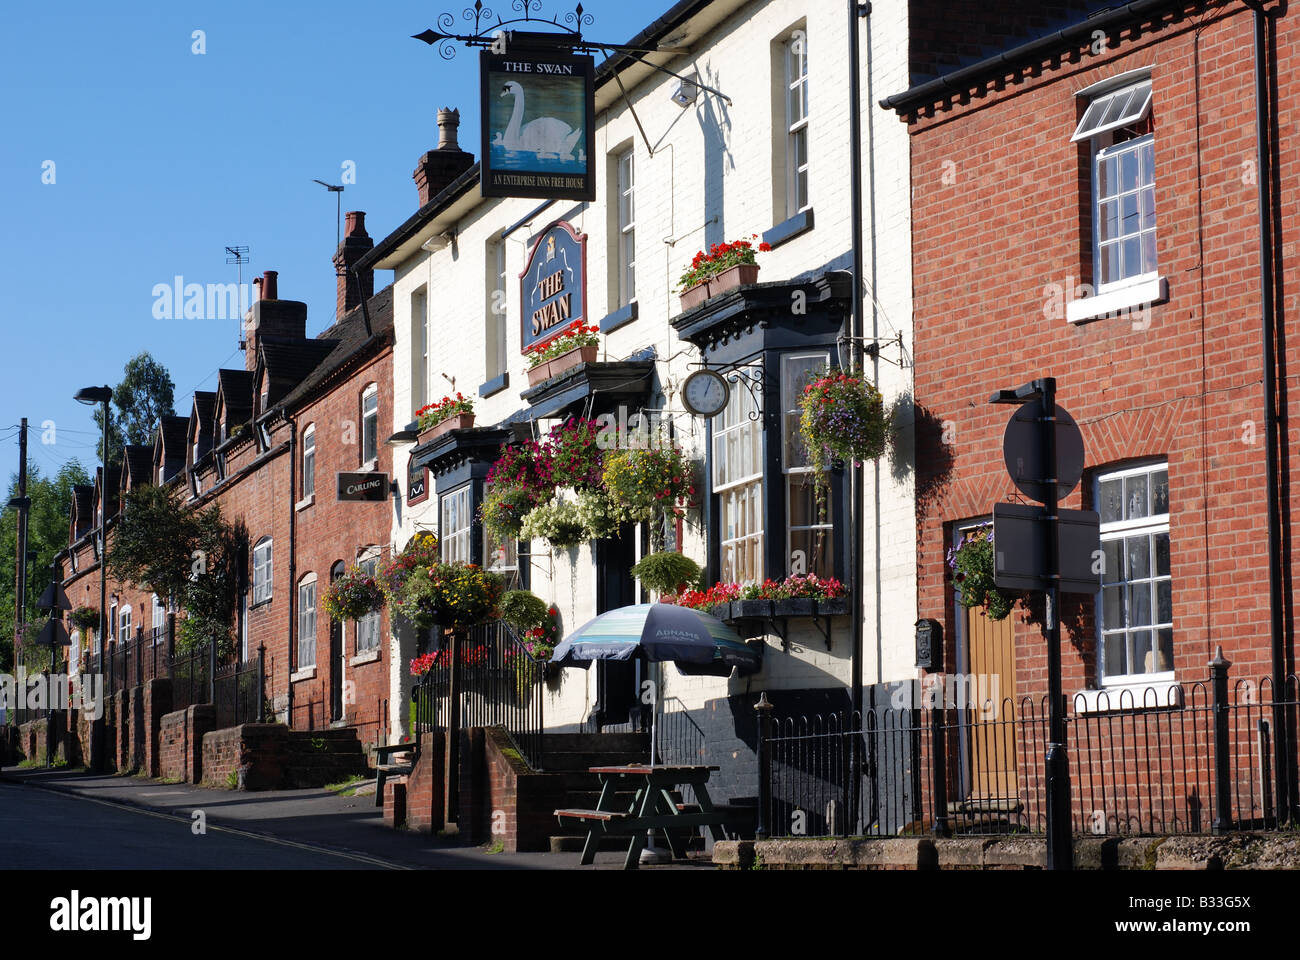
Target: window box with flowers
pixel 576 344
pixel 800 595
pixel 725 267
pixel 449 413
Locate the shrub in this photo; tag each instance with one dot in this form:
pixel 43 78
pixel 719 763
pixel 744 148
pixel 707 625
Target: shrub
pixel 523 609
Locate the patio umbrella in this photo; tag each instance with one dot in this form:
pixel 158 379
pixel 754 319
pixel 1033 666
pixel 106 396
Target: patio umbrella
pixel 695 641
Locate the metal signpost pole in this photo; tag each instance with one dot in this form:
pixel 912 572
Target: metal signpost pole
pixel 1060 856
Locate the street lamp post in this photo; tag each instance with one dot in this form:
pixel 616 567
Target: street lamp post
pixel 91 396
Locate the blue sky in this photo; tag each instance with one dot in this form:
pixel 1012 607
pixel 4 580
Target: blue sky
pixel 162 156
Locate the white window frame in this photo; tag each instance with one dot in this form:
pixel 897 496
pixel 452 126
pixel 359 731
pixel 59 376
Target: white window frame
pixel 309 462
pixel 419 349
pixel 367 630
pixel 739 495
pixel 306 622
pixel 795 58
pixel 263 557
pixel 124 624
pixel 158 620
pixel 790 434
pixel 1117 530
pixel 625 165
pixel 456 543
pixel 501 558
pixel 370 426
pixel 495 309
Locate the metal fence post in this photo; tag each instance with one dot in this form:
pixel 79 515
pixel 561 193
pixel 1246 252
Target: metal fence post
pixel 1222 774
pixel 939 766
pixel 764 710
pixel 139 654
pixel 212 672
pixel 261 684
pixel 453 727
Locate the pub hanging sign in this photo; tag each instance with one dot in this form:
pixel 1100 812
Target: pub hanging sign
pixel 362 486
pixel 538 110
pixel 553 284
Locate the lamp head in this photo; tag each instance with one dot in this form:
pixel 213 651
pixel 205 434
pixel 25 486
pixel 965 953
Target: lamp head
pixel 93 395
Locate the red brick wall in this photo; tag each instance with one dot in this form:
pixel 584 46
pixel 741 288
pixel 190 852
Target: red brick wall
pixel 254 752
pixel 425 796
pixel 998 195
pixel 180 743
pixel 330 532
pixel 986 246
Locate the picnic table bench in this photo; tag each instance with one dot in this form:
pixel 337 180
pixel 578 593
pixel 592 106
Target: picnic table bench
pixel 652 807
pixel 385 769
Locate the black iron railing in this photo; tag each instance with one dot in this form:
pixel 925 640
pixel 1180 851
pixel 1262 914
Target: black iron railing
pixel 238 693
pixel 493 681
pixel 191 675
pixel 1170 759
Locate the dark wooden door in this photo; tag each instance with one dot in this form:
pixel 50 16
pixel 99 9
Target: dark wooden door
pixel 618 683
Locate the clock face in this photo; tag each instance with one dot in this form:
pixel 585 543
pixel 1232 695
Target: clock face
pixel 705 393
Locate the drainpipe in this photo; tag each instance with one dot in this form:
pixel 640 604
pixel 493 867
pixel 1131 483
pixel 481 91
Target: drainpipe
pixel 1263 126
pixel 293 556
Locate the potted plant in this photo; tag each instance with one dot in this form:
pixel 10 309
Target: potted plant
pixel 449 413
pixel 649 485
pixel 666 572
pixel 84 618
pixel 971 562
pixel 577 343
pixel 725 267
pixel 353 595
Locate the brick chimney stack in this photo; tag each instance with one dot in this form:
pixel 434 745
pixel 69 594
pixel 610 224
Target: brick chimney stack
pixel 271 316
pixel 356 243
pixel 438 168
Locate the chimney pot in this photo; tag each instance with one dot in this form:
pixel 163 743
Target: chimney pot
pixel 448 124
pixel 269 291
pixel 355 224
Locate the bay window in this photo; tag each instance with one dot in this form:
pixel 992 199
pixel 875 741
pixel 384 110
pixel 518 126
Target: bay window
pixel 737 462
pixel 456 511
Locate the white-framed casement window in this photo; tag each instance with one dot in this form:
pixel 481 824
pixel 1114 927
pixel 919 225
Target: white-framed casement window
pixel 796 122
pixel 1135 625
pixel 738 486
pixel 158 621
pixel 370 425
pixel 809 528
pixel 502 558
pixel 306 622
pixel 309 461
pixel 1116 127
pixel 419 349
pixel 626 238
pixel 124 625
pixel 456 511
pixel 262 571
pixel 74 653
pixel 495 312
pixel 368 626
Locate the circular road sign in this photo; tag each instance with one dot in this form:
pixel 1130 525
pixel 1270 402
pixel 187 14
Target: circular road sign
pixel 1022 450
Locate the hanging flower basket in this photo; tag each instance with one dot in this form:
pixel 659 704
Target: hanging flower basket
pixel 725 267
pixel 842 417
pixel 558 523
pixel 643 482
pixel 971 562
pixel 353 596
pixel 503 510
pixel 84 618
pixel 451 595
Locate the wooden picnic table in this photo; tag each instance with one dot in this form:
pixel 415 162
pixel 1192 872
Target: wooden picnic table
pixel 652 808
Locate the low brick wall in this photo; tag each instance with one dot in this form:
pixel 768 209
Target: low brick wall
pixel 34 740
pixel 1238 851
pixel 516 804
pixel 249 757
pixel 157 703
pixel 121 752
pixel 180 742
pixel 426 786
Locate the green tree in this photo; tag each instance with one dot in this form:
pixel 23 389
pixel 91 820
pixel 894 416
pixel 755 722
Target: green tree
pixel 144 396
pixel 176 550
pixel 47 534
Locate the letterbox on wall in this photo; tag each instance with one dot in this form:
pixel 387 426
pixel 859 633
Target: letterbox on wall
pixel 929 645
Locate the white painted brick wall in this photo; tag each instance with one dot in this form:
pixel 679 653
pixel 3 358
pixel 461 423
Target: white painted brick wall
pixel 694 176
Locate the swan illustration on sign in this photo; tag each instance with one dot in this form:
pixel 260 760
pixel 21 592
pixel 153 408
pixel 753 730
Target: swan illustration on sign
pixel 537 138
pixel 547 137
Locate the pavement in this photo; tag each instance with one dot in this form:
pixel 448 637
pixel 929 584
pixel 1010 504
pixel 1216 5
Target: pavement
pixel 60 818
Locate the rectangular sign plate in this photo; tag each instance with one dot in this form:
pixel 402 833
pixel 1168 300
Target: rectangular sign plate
pixel 1020 548
pixel 361 487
